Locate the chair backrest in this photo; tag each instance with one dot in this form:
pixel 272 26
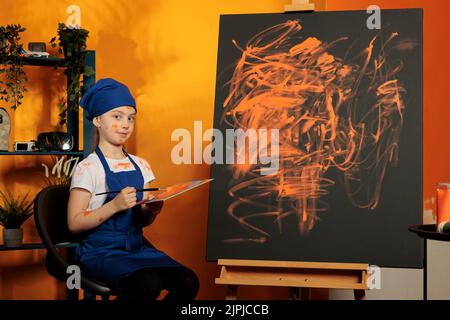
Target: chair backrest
pixel 50 215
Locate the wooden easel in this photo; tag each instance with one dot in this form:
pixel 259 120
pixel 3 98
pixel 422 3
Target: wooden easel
pixel 304 5
pixel 299 5
pixel 294 275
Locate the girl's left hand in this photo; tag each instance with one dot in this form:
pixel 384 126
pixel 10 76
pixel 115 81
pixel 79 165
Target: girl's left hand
pixel 150 210
pixel 146 197
pixel 155 207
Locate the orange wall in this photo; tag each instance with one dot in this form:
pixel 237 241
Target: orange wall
pixel 166 52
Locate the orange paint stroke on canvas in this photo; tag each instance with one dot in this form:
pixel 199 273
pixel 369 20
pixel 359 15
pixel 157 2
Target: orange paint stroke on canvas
pixel 293 84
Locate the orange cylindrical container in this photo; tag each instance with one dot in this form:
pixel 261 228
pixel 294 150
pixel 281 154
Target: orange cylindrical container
pixel 443 205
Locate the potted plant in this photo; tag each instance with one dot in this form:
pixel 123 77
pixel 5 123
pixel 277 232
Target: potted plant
pixel 13 213
pixel 72 43
pixel 11 63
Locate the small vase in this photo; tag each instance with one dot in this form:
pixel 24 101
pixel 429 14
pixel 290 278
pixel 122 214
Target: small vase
pixel 5 129
pixel 12 238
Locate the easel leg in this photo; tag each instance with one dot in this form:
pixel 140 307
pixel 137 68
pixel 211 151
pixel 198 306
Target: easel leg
pixel 231 292
pixel 359 294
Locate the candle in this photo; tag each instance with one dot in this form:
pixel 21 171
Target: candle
pixel 443 207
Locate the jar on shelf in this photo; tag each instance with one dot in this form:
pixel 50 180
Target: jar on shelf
pixel 443 207
pixel 5 129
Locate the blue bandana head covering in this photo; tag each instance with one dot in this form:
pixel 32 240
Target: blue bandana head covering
pixel 106 94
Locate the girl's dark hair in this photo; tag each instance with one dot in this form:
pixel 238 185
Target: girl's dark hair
pixel 95 139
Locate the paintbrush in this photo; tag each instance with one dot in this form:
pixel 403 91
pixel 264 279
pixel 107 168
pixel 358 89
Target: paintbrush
pixel 137 190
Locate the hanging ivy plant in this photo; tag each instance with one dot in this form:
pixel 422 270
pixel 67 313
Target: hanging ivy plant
pixel 72 43
pixel 11 65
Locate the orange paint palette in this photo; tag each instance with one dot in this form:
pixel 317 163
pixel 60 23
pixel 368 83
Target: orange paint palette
pixel 175 190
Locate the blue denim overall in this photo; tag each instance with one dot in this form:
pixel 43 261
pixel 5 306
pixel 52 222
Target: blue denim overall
pixel 115 248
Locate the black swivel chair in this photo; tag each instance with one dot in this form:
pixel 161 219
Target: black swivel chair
pixel 50 214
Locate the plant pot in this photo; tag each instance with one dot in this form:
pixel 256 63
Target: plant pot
pixel 12 238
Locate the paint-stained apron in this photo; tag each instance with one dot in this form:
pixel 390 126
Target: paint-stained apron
pixel 116 248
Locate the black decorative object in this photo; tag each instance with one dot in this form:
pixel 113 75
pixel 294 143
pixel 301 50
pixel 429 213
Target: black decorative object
pixel 55 141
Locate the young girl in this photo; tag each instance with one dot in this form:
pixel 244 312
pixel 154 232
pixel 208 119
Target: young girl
pixel 112 249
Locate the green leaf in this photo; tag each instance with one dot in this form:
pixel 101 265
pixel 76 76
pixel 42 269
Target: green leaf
pixel 15 211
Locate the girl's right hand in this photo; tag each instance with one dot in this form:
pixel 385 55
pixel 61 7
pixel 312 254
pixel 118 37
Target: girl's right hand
pixel 125 199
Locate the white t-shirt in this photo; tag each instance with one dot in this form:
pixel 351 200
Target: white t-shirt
pixel 90 175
